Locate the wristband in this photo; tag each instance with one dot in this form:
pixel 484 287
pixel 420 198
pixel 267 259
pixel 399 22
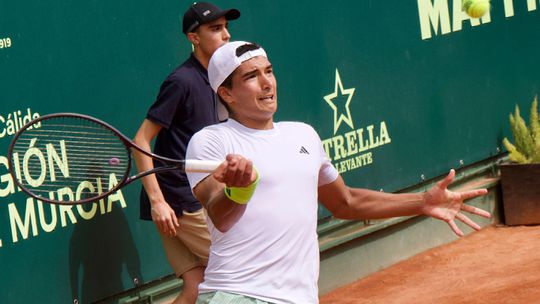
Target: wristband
pixel 242 195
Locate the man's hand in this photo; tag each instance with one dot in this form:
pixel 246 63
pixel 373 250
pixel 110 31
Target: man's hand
pixel 446 205
pixel 236 171
pixel 164 218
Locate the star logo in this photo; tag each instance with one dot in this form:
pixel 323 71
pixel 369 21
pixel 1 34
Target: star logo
pixel 342 113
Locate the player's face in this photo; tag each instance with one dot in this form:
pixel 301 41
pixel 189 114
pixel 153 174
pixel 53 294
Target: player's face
pixel 210 36
pixel 253 98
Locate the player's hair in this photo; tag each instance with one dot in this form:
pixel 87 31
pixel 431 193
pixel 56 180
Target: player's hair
pixel 241 50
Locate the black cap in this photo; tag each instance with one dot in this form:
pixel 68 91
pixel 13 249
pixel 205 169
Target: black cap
pixel 203 12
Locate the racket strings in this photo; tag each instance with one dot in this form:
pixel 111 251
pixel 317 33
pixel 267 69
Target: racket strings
pixel 70 158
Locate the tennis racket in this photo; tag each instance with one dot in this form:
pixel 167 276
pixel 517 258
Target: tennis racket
pixel 68 158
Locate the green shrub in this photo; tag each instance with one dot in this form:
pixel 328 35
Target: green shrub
pixel 526 147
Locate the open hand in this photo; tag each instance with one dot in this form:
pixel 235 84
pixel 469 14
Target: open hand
pixel 446 205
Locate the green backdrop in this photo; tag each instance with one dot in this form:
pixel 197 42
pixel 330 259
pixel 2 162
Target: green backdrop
pixel 398 91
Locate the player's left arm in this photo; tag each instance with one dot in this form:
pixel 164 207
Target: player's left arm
pixel 438 202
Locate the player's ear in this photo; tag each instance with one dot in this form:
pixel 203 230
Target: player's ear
pixel 225 94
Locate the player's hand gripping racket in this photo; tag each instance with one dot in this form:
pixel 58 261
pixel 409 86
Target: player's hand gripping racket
pixel 68 158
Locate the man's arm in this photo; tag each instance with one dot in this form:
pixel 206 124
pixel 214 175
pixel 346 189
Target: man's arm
pixel 235 171
pixel 162 214
pixel 437 202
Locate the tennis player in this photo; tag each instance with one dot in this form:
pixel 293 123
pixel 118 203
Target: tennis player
pixel 185 104
pixel 262 200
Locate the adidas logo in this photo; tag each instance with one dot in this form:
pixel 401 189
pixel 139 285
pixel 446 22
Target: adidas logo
pixel 303 150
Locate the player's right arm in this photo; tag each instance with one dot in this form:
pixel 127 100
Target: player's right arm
pixel 235 171
pixel 162 214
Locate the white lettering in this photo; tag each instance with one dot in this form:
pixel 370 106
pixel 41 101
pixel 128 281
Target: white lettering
pixel 61 163
pixel 47 226
pixel 32 151
pixel 2 121
pixel 6 179
pixel 16 164
pixel 339 150
pixel 508 8
pixel 531 5
pixel 14 121
pixel 373 140
pixel 5 43
pixel 117 196
pixel 46 218
pixel 348 148
pixel 66 209
pixel 18 225
pixel 385 137
pixel 354 162
pixel 432 15
pixel 364 144
pixel 87 215
pixel 352 148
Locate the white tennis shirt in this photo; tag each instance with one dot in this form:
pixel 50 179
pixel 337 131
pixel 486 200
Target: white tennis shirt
pixel 272 252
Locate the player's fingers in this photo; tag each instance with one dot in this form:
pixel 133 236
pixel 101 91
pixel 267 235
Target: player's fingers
pixel 466 220
pixel 230 172
pixel 219 173
pixel 230 157
pixel 475 211
pixel 455 228
pixel 239 173
pixel 246 178
pixel 242 176
pixel 447 180
pixel 232 160
pixel 473 193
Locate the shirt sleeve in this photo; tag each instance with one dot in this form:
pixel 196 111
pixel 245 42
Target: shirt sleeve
pixel 328 173
pixel 204 145
pixel 170 99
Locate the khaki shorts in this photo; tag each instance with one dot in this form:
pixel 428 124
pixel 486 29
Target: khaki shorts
pixel 220 297
pixel 189 248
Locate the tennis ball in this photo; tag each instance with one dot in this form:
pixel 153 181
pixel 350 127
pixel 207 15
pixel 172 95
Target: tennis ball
pixel 475 8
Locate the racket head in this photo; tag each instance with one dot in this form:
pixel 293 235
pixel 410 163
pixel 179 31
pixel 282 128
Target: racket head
pixel 69 158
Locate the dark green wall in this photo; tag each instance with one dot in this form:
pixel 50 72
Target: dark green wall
pixel 439 102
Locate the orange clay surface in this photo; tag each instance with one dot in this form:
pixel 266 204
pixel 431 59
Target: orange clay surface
pixel 495 265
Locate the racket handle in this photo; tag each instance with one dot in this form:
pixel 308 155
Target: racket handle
pixel 205 166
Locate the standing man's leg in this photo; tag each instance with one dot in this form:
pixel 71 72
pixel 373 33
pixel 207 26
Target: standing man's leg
pixel 187 253
pixel 192 278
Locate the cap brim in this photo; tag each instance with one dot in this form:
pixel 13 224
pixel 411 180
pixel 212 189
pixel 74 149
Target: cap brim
pixel 231 14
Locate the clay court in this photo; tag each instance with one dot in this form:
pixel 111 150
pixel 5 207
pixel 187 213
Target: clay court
pixel 496 265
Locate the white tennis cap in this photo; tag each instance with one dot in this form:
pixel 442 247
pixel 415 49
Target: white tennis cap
pixel 228 57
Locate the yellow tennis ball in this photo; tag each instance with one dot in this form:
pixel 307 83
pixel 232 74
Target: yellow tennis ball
pixel 475 8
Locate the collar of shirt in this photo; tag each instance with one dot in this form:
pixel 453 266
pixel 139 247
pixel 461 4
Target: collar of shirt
pixel 200 68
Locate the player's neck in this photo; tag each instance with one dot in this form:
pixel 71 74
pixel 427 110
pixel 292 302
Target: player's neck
pixel 255 124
